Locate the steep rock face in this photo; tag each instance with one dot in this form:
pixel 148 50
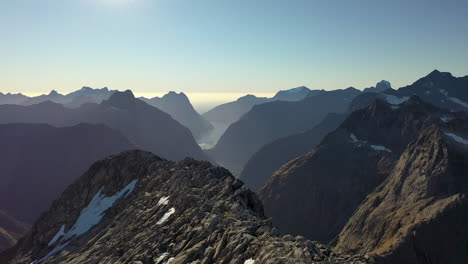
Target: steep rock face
pixel 420 213
pixel 10 230
pixel 145 126
pixel 158 211
pixel 179 107
pixel 38 161
pixel 314 195
pixel 270 121
pixel 272 156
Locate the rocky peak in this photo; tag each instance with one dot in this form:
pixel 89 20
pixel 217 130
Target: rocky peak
pixel 137 208
pixel 54 93
pixel 178 98
pixel 383 85
pixel 436 75
pixel 247 98
pixel 123 100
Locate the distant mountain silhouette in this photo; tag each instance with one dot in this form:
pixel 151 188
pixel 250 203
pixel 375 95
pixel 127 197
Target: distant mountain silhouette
pixel 145 126
pixel 11 230
pixel 231 112
pixel 379 87
pixel 270 121
pixel 73 99
pixel 179 107
pixel 38 161
pixel 12 98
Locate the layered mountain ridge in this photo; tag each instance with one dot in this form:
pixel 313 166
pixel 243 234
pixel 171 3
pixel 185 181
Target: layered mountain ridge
pixel 179 107
pixel 145 126
pixel 270 121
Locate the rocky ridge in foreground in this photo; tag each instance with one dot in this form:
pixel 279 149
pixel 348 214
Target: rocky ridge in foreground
pixel 159 211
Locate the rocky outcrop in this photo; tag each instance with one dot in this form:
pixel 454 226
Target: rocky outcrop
pixel 315 195
pixel 419 214
pixel 159 211
pixel 10 230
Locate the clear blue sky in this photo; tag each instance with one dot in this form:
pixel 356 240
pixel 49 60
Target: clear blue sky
pixel 231 46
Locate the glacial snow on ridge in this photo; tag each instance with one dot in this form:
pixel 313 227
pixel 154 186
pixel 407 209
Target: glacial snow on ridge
pixel 446 119
pixel 166 216
pixel 457 138
pixel 164 200
pixel 59 234
pixel 453 99
pixel 361 143
pixel 89 217
pixel 391 99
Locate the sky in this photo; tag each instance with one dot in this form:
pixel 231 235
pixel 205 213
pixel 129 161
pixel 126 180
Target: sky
pixel 223 48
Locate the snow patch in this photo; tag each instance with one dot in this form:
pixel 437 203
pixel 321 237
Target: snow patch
pixel 458 101
pixel 161 258
pixel 391 99
pixel 59 234
pixel 169 260
pixel 380 148
pixel 453 99
pixel 89 216
pixel 446 119
pixel 249 261
pixel 394 107
pixel 361 143
pixel 457 138
pixel 166 216
pixel 356 141
pixel 164 200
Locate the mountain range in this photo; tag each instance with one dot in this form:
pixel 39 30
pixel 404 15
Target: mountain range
pixel 343 176
pixel 270 121
pixel 73 99
pixel 144 126
pixel 229 113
